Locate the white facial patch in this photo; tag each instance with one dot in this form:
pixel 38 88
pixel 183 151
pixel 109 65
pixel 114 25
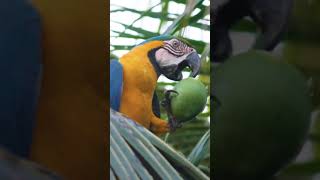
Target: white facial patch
pixel 164 58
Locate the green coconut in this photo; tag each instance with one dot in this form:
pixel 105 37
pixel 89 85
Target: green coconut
pixel 262 118
pixel 190 100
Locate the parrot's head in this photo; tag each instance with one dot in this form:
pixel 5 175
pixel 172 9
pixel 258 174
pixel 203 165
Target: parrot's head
pixel 172 55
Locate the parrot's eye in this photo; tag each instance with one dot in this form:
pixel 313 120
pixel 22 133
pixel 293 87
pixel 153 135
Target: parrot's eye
pixel 175 44
pixel 176 47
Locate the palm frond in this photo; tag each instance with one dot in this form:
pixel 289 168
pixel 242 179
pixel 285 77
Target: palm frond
pixel 136 153
pixel 200 150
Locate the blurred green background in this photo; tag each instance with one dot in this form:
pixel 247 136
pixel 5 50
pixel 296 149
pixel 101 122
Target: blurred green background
pixel 301 47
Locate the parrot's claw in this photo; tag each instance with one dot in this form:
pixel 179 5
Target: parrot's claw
pixel 166 103
pixel 167 95
pixel 174 124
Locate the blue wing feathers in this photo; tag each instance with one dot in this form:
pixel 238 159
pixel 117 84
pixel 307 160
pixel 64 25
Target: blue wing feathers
pixel 20 74
pixel 116 83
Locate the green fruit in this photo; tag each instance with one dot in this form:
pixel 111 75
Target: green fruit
pixel 261 118
pixel 190 101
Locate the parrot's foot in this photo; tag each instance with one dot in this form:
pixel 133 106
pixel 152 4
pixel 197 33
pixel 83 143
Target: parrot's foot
pixel 174 124
pixel 166 103
pixel 159 127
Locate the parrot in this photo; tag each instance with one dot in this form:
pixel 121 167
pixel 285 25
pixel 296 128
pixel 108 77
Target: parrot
pixel 271 16
pixel 133 78
pixel 20 74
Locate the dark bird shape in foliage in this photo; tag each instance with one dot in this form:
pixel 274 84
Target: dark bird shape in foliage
pixel 271 16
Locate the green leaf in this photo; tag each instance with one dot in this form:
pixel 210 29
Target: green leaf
pixel 136 152
pixel 200 150
pixel 182 20
pixel 308 168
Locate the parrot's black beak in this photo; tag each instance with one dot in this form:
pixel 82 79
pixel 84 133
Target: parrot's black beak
pixel 194 62
pixel 174 72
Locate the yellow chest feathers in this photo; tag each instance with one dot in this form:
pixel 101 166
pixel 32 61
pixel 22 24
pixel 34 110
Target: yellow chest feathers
pixel 139 73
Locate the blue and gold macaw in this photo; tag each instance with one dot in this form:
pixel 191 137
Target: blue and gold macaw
pixel 134 77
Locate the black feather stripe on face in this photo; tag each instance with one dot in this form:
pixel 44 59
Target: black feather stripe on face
pixel 176 47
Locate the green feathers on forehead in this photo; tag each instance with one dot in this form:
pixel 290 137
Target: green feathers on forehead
pixel 165 38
